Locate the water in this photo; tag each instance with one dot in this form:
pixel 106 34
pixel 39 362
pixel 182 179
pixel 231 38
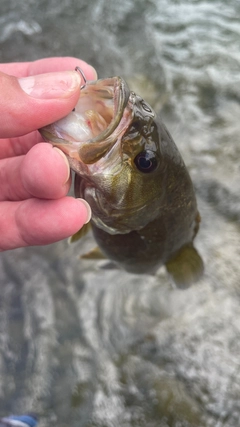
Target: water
pixel 82 345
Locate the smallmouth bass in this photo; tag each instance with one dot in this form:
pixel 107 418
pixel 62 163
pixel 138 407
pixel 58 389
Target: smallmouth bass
pixel 128 168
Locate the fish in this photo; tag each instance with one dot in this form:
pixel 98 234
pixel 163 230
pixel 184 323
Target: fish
pixel 130 171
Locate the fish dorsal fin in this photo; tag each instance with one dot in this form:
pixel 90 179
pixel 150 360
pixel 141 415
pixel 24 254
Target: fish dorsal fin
pixel 80 233
pixel 95 253
pixel 186 267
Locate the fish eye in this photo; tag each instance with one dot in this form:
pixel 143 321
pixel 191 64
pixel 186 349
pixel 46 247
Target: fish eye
pixel 146 161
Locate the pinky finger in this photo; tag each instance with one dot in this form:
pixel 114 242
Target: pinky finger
pixel 40 222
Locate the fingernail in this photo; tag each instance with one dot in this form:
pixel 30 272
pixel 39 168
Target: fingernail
pixel 51 85
pixel 95 76
pixel 66 162
pixel 89 210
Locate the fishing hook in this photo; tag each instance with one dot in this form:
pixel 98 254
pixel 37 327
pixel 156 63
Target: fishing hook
pixel 79 70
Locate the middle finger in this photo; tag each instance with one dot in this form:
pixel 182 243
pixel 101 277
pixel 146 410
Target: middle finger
pixel 42 173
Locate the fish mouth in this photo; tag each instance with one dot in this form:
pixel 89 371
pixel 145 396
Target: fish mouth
pixel 89 131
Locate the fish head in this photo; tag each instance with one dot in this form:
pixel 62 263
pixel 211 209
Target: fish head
pixel 113 142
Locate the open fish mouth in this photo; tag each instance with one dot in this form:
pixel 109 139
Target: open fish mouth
pixel 87 132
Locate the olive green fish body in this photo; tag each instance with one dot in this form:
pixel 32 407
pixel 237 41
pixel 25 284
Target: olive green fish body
pixel 144 250
pixel 128 168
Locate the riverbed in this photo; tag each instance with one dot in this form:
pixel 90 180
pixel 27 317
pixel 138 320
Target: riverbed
pixel 83 345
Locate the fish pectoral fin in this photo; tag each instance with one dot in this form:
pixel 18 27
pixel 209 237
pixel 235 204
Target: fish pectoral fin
pixel 95 253
pixel 186 267
pixel 80 233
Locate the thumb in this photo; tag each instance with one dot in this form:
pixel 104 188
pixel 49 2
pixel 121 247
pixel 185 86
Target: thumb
pixel 29 103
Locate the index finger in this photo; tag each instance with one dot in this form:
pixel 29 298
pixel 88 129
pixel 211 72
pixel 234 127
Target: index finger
pixel 47 65
pixel 20 145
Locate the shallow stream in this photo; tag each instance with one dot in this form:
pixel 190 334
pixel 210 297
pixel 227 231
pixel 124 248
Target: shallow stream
pixel 85 346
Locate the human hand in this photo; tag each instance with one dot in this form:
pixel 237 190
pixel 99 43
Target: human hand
pixel 34 176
